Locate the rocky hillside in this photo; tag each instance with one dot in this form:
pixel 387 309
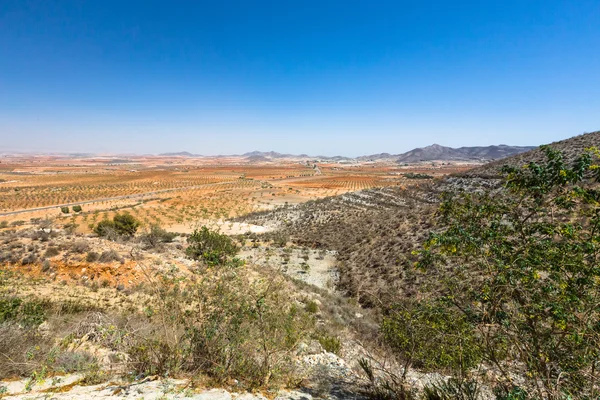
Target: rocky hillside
pixel 373 231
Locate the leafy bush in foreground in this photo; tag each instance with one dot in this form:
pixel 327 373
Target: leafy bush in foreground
pixel 215 328
pixel 523 267
pixel 432 336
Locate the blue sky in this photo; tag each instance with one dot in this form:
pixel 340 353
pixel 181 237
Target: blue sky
pixel 320 77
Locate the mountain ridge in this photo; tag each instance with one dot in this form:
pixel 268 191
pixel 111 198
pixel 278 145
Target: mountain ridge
pixel 434 152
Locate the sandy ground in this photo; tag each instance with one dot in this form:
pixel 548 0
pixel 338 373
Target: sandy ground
pixel 68 388
pixel 226 227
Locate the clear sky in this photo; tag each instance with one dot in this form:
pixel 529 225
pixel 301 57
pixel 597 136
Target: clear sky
pixel 326 77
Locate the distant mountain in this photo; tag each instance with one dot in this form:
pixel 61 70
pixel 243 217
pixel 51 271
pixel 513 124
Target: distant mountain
pixel 443 153
pixel 179 154
pixel 380 156
pixel 434 152
pixel 257 159
pixel 272 154
pixel 334 158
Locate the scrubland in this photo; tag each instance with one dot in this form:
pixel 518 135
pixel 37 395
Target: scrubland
pixel 287 281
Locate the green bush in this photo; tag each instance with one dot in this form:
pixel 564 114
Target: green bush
pixel 330 343
pixel 77 209
pixel 523 266
pixel 212 247
pixel 226 326
pixel 312 307
pixel 26 313
pixel 105 228
pixel 452 389
pixel 124 225
pixel 64 210
pixel 248 334
pixel 431 335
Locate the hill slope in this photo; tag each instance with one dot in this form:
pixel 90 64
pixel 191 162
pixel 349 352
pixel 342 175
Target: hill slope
pixel 443 153
pixel 571 148
pixel 374 231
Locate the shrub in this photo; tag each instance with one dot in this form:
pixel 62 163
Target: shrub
pixel 212 247
pixel 126 224
pixel 109 256
pixel 64 210
pixel 247 334
pixel 92 256
pixel 75 361
pixel 384 385
pixel 312 307
pixel 432 336
pixel 77 208
pixel 46 265
pixel 330 343
pixel 51 252
pixel 156 236
pixel 121 225
pixel 42 236
pixel 280 239
pixel 452 389
pixel 3 224
pixel 80 247
pixel 223 331
pixel 412 175
pixel 524 268
pixel 23 350
pixel 70 228
pixel 31 258
pixel 105 228
pixel 510 393
pixel 26 313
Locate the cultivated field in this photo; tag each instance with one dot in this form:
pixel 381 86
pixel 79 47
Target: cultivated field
pixel 179 193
